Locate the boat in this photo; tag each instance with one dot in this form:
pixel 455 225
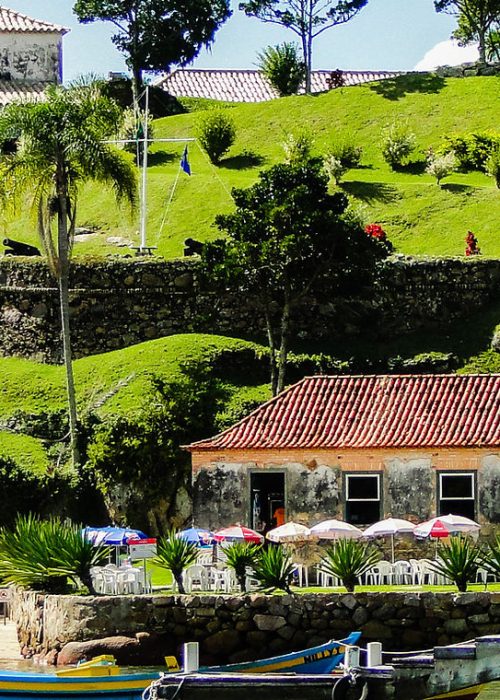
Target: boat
pixel 452 672
pixel 100 677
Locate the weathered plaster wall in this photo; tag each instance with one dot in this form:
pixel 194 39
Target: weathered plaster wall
pixel 116 303
pixel 32 56
pixel 233 628
pixel 314 488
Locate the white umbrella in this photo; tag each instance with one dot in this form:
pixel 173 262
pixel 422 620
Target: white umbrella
pixel 389 526
pixel 336 529
pixel 289 532
pixel 453 523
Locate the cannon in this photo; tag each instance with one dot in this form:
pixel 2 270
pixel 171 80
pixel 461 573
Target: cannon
pixel 16 248
pixel 192 247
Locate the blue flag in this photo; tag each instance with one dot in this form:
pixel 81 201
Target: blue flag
pixel 185 162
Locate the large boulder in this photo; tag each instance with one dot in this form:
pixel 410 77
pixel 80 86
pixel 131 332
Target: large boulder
pixel 144 649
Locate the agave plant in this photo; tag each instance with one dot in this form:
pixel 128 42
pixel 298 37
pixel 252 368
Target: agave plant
pixel 274 569
pixel 240 556
pixel 490 559
pixel 459 561
pixel 348 560
pixel 47 554
pixel 175 554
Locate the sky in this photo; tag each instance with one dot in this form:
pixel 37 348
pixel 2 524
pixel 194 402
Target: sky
pixel 385 35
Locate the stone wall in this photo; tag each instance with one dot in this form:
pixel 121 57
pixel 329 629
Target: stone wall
pixel 117 303
pixel 231 628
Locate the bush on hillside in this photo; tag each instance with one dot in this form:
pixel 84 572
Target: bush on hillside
pixel 398 142
pixel 471 150
pixel 334 168
pixel 216 133
pixel 133 130
pixel 493 166
pixel 298 147
pixel 346 151
pixel 441 166
pixel 283 67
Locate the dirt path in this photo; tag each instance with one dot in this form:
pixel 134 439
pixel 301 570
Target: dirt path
pixel 9 647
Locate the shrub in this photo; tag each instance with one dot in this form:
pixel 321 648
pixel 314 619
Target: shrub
pixel 458 561
pixel 490 559
pixel 471 151
pixel 239 557
pixel 216 133
pixel 298 147
pixel 493 166
pixel 283 67
pixel 398 142
pixel 441 166
pixel 347 152
pixel 175 554
pixel 133 128
pixel 274 569
pixel 348 560
pixel 471 245
pixel 334 168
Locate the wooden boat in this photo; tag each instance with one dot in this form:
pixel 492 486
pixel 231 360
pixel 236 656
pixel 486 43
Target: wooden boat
pixel 320 659
pixel 454 672
pixel 100 677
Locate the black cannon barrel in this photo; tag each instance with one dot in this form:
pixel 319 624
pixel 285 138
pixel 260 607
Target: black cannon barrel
pixel 17 248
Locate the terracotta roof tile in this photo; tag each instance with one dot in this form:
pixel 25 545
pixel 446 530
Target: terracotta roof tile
pixel 248 85
pixel 372 411
pixel 11 21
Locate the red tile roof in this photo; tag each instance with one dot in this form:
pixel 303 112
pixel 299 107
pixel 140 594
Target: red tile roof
pixel 372 411
pixel 11 21
pixel 248 85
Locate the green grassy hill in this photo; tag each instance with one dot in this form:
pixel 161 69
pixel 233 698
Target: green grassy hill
pixel 419 216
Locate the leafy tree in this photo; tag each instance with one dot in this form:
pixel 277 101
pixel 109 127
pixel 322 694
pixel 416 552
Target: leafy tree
pixel 475 19
pixel 283 68
pixel 348 560
pixel 274 569
pixel 288 240
pixel 239 557
pixel 306 18
pixel 44 554
pixel 59 146
pixel 441 166
pixel 175 554
pixel 155 34
pixel 459 561
pixel 216 133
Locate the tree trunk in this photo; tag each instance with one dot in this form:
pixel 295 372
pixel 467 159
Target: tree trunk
pixel 272 353
pixel 63 248
pixel 307 44
pixel 180 583
pixel 482 46
pixel 136 85
pixel 283 353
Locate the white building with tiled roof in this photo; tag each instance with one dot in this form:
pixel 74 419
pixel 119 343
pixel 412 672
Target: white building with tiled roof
pixel 249 85
pixel 30 55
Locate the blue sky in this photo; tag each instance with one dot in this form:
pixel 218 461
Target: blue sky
pixel 387 34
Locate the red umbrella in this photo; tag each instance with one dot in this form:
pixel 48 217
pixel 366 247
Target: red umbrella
pixel 439 529
pixel 237 533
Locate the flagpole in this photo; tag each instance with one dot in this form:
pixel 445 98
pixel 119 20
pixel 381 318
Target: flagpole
pixel 142 248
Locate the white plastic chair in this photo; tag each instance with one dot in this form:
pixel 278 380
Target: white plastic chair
pixel 402 572
pixel 196 577
pixel 127 581
pixel 417 574
pixel 302 575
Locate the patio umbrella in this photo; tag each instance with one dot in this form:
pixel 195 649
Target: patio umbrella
pixel 238 533
pixel 289 532
pixel 112 536
pixel 197 535
pixel 389 526
pixel 453 523
pixel 336 529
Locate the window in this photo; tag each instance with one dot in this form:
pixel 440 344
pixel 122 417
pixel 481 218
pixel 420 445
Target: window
pixel 362 502
pixel 457 494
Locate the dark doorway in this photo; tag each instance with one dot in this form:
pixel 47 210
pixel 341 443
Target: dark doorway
pixel 267 505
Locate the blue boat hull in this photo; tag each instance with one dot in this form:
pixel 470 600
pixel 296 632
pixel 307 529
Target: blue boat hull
pixel 323 658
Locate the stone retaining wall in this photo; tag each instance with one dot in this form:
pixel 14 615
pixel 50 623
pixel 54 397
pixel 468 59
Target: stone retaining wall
pixel 117 303
pixel 232 628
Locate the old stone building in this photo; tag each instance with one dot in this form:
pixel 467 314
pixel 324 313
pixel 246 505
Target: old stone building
pixel 30 55
pixel 358 448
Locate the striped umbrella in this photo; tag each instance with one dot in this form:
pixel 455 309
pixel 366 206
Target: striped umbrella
pixel 238 533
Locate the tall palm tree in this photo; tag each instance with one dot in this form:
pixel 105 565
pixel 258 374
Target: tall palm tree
pixel 61 143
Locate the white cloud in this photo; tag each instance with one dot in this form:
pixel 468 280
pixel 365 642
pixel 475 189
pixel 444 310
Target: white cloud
pixel 447 53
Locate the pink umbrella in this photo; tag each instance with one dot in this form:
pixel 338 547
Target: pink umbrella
pixel 439 530
pixel 238 533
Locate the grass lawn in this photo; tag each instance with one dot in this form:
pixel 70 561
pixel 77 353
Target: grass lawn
pixel 419 216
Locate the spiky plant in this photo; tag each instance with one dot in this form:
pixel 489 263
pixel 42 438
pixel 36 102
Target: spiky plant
pixel 459 561
pixel 239 557
pixel 283 67
pixel 45 554
pixel 349 559
pixel 175 554
pixel 490 558
pixel 273 569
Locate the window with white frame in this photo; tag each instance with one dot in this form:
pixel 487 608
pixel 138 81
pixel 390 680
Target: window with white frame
pixel 457 494
pixel 362 498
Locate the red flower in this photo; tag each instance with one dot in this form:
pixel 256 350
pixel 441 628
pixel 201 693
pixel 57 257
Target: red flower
pixel 376 231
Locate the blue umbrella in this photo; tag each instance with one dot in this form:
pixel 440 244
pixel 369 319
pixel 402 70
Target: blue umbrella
pixel 197 535
pixel 112 536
